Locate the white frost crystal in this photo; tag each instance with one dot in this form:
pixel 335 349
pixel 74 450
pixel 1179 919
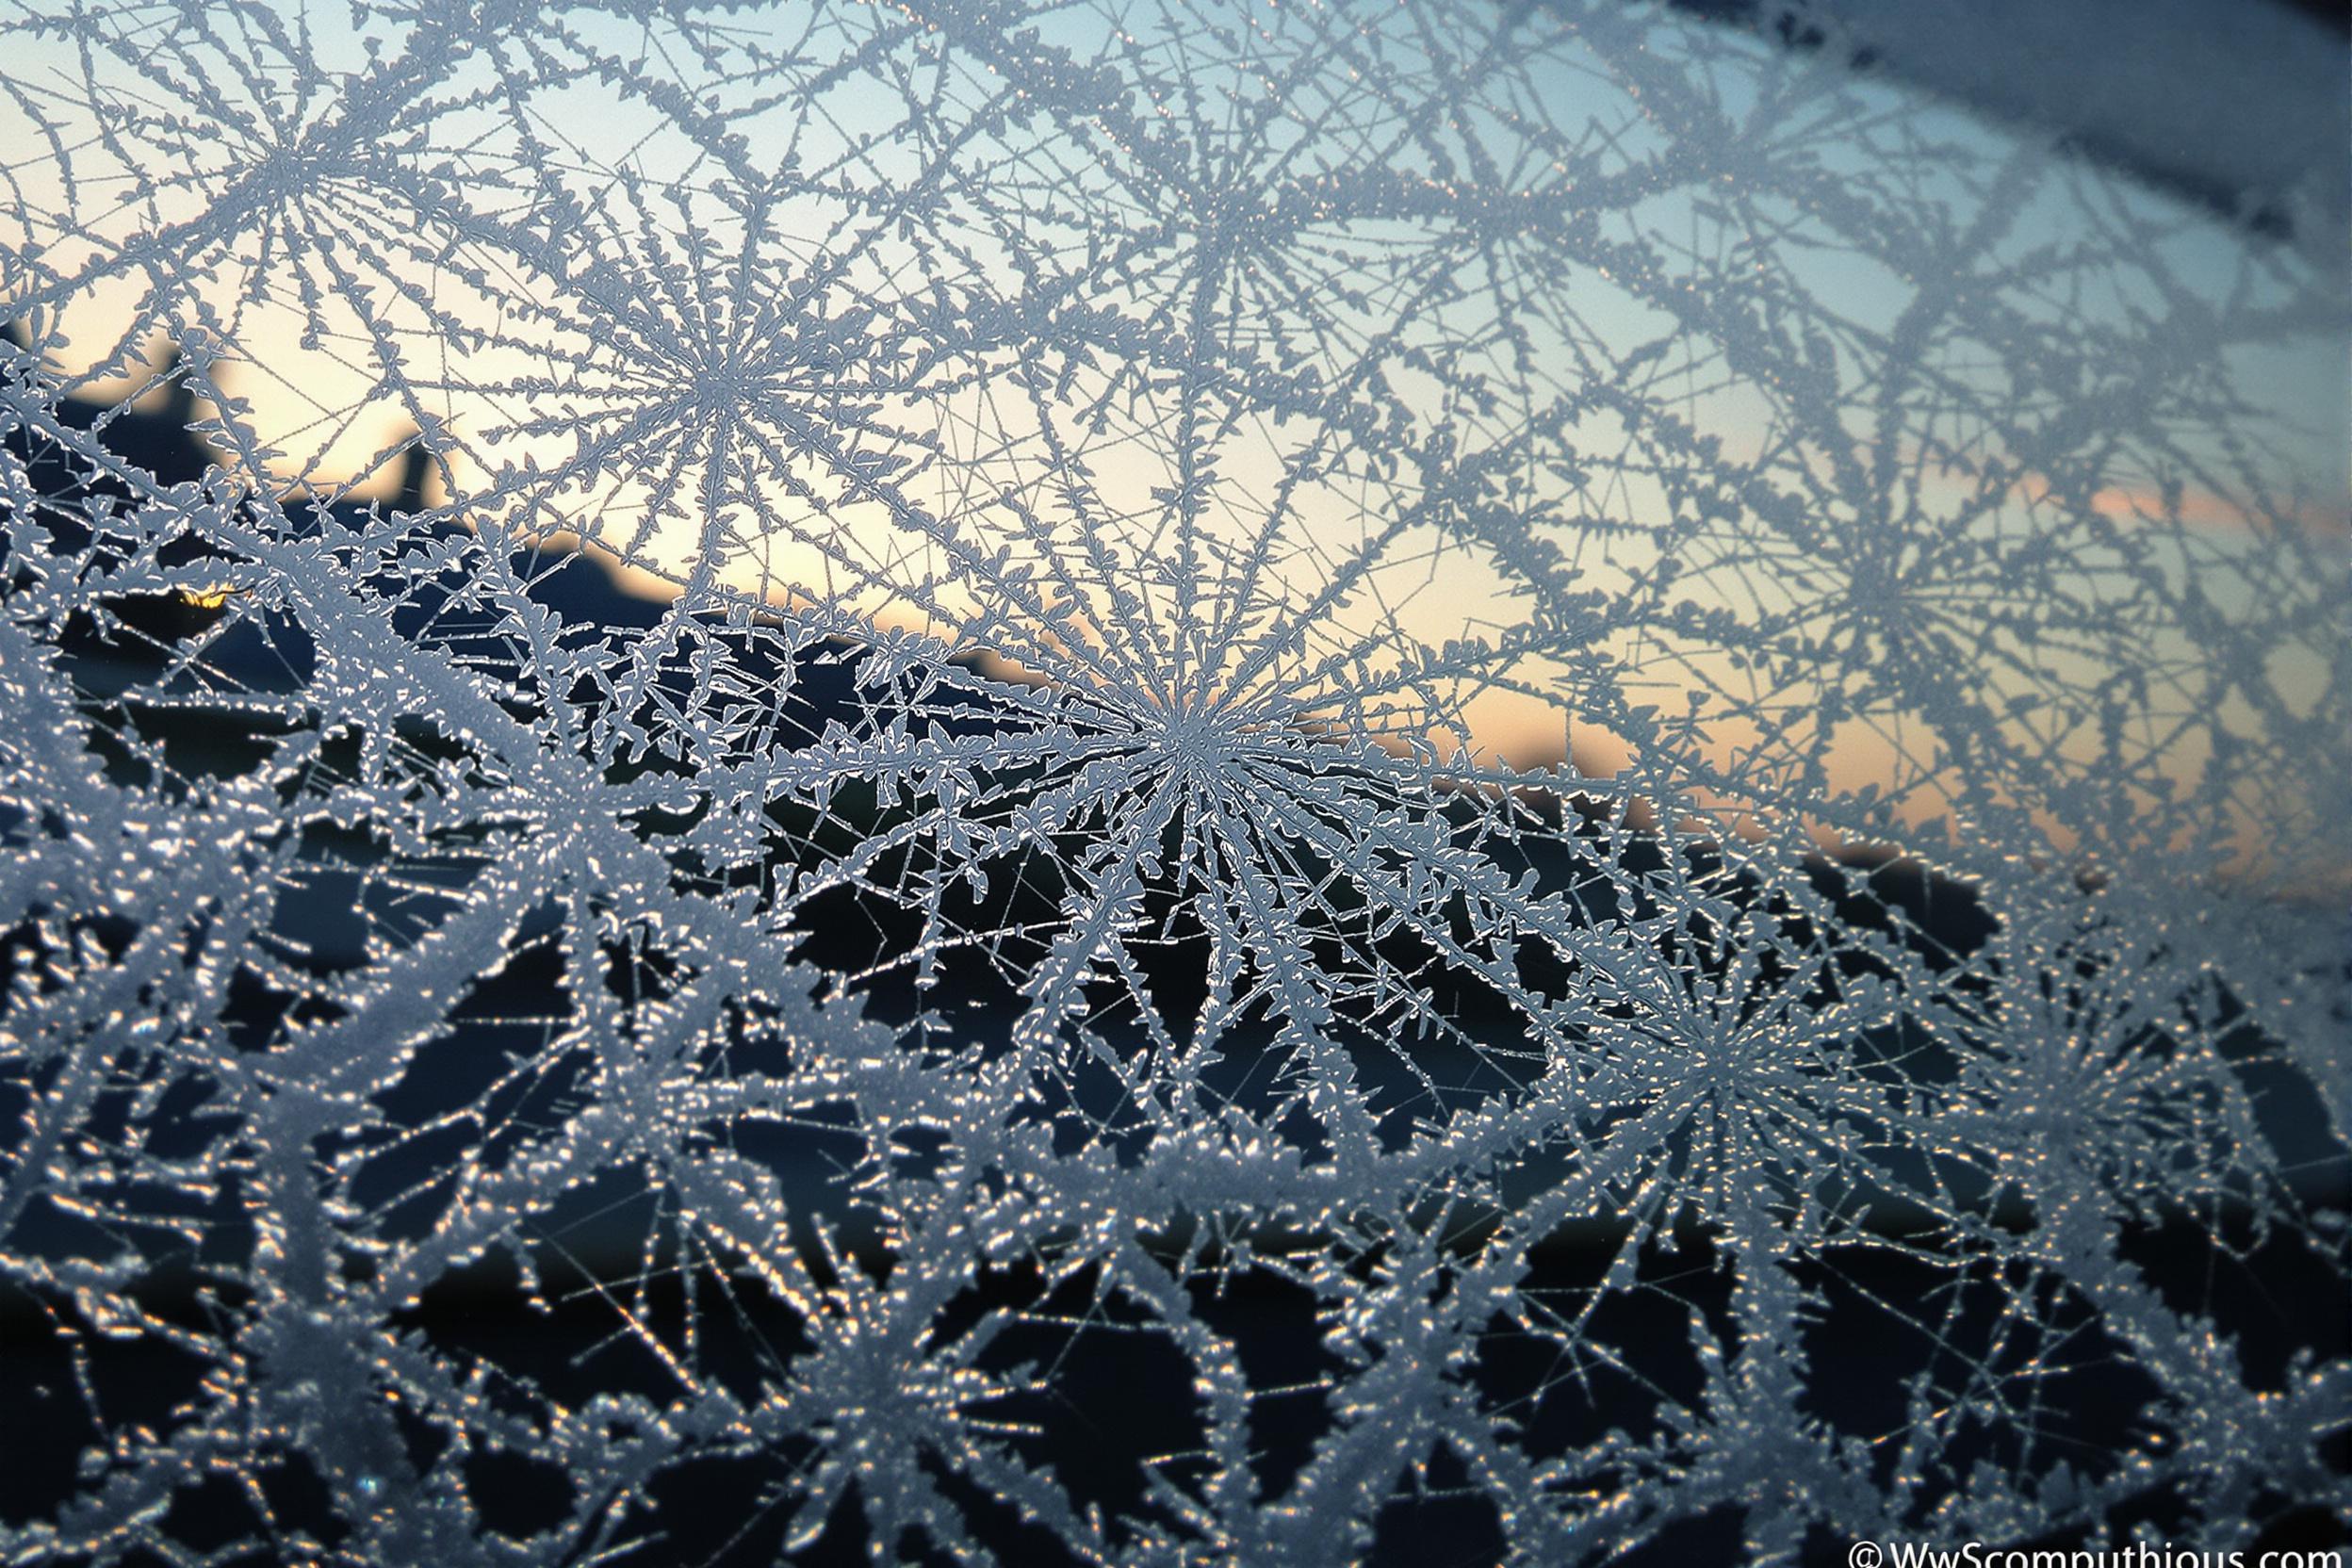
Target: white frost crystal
pixel 1253 783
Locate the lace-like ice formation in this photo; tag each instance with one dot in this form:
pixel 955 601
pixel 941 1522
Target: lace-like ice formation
pixel 1146 784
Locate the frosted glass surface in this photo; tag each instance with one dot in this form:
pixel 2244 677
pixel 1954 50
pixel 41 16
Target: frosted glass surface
pixel 1150 784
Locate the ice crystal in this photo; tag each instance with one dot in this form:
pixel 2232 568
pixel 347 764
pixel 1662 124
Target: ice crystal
pixel 1153 784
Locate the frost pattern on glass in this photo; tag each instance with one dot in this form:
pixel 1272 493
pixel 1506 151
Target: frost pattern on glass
pixel 1171 783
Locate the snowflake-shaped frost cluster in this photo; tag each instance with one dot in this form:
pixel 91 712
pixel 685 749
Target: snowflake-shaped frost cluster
pixel 1160 783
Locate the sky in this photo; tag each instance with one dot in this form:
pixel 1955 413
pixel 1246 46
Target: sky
pixel 306 370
